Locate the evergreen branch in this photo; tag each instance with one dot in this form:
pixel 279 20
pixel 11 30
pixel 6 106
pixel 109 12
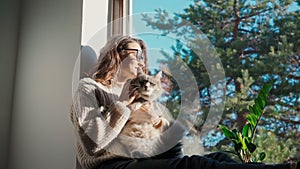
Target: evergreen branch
pixel 244 30
pixel 294 122
pixel 293 76
pixel 237 19
pixel 255 14
pixel 246 52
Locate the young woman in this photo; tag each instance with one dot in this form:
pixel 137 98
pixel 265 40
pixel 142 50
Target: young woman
pixel 99 112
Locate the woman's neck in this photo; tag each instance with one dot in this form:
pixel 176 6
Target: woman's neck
pixel 121 79
pixel 117 86
pixel 117 83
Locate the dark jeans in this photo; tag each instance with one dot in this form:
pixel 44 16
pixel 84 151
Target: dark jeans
pixel 210 161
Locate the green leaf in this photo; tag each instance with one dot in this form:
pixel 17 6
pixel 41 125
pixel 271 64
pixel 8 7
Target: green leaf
pixel 262 100
pixel 238 147
pixel 267 87
pixel 251 147
pixel 262 156
pixel 259 103
pixel 248 139
pixel 247 130
pixel 257 109
pixel 242 141
pixel 236 141
pixel 252 110
pixel 263 95
pixel 252 119
pixel 235 133
pixel 228 133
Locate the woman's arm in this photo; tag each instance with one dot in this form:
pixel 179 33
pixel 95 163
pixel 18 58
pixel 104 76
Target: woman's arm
pixel 98 115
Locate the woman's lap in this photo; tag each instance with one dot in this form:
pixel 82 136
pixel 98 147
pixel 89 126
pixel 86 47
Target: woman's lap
pixel 210 161
pixel 137 164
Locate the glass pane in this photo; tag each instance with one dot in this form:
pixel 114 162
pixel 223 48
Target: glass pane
pixel 233 45
pixel 153 37
pixel 161 45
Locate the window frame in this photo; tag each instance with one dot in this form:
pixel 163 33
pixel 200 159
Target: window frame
pixel 118 17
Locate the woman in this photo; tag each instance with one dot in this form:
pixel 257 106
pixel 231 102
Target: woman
pixel 99 112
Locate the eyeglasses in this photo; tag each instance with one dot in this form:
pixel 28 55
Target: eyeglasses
pixel 139 54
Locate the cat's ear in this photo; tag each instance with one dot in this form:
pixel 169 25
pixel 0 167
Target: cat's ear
pixel 158 75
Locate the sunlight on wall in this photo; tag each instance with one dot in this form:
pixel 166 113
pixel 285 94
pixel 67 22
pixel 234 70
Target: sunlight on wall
pixel 92 18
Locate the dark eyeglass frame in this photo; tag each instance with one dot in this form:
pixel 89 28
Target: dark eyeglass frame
pixel 139 54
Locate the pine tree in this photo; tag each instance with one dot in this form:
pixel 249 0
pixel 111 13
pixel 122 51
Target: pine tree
pixel 257 42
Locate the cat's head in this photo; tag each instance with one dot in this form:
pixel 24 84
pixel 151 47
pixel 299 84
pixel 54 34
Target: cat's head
pixel 148 86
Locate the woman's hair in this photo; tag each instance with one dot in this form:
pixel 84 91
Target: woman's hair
pixel 111 56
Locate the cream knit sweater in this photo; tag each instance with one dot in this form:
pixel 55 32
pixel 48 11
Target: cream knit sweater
pixel 98 119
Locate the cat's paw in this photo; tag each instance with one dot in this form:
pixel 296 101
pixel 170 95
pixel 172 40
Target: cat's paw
pixel 135 106
pixel 161 123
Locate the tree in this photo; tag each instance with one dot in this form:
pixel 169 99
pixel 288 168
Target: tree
pixel 257 42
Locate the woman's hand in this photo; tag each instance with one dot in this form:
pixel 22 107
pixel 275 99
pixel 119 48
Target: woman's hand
pixel 143 112
pixel 126 97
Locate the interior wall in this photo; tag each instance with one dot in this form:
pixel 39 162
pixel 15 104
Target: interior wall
pixel 94 19
pixel 9 14
pixel 49 43
pixel 94 32
pixel 39 45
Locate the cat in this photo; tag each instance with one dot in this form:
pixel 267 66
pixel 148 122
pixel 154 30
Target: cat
pixel 146 124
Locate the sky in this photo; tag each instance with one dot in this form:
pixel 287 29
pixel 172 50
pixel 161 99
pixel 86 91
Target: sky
pixel 151 5
pixel 154 41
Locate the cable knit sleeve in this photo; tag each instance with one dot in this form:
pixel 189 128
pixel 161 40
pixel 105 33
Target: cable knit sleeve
pixel 97 114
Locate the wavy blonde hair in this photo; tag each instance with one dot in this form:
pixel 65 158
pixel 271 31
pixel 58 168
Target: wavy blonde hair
pixel 111 56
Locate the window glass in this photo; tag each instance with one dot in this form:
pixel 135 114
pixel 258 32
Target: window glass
pixel 160 45
pixel 252 42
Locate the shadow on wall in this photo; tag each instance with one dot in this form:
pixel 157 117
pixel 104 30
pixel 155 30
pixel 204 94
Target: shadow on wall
pixel 88 59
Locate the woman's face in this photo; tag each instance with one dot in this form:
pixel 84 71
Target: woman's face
pixel 134 60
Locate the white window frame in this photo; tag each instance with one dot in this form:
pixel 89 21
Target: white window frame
pixel 120 10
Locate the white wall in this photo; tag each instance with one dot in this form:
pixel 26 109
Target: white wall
pixel 9 13
pixel 40 42
pixel 94 32
pixel 49 42
pixel 94 18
